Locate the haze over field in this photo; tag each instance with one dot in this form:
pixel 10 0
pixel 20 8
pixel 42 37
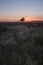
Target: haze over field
pixel 13 10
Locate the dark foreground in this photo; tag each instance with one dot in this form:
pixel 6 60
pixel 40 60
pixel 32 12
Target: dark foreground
pixel 21 43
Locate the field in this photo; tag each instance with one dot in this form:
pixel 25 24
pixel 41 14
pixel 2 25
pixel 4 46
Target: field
pixel 21 43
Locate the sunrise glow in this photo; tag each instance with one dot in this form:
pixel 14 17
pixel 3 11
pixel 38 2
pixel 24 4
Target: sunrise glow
pixel 17 18
pixel 13 10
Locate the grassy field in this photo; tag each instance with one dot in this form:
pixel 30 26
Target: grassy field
pixel 21 43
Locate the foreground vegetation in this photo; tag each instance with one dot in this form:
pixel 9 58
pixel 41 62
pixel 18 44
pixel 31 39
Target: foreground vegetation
pixel 21 45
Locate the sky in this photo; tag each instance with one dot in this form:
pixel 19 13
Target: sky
pixel 13 10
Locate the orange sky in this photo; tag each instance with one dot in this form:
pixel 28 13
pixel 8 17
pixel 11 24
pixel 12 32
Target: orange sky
pixel 10 17
pixel 13 18
pixel 34 18
pixel 11 10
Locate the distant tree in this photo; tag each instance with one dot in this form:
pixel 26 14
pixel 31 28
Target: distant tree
pixel 22 19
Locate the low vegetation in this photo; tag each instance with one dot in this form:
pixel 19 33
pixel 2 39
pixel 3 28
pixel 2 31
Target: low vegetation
pixel 21 45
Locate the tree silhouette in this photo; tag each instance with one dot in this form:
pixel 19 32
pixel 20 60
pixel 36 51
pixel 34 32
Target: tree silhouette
pixel 22 19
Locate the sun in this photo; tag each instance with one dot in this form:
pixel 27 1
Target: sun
pixel 28 18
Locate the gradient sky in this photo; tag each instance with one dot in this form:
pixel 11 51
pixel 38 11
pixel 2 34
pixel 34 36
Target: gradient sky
pixel 11 10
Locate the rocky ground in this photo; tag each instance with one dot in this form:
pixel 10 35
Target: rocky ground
pixel 20 45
